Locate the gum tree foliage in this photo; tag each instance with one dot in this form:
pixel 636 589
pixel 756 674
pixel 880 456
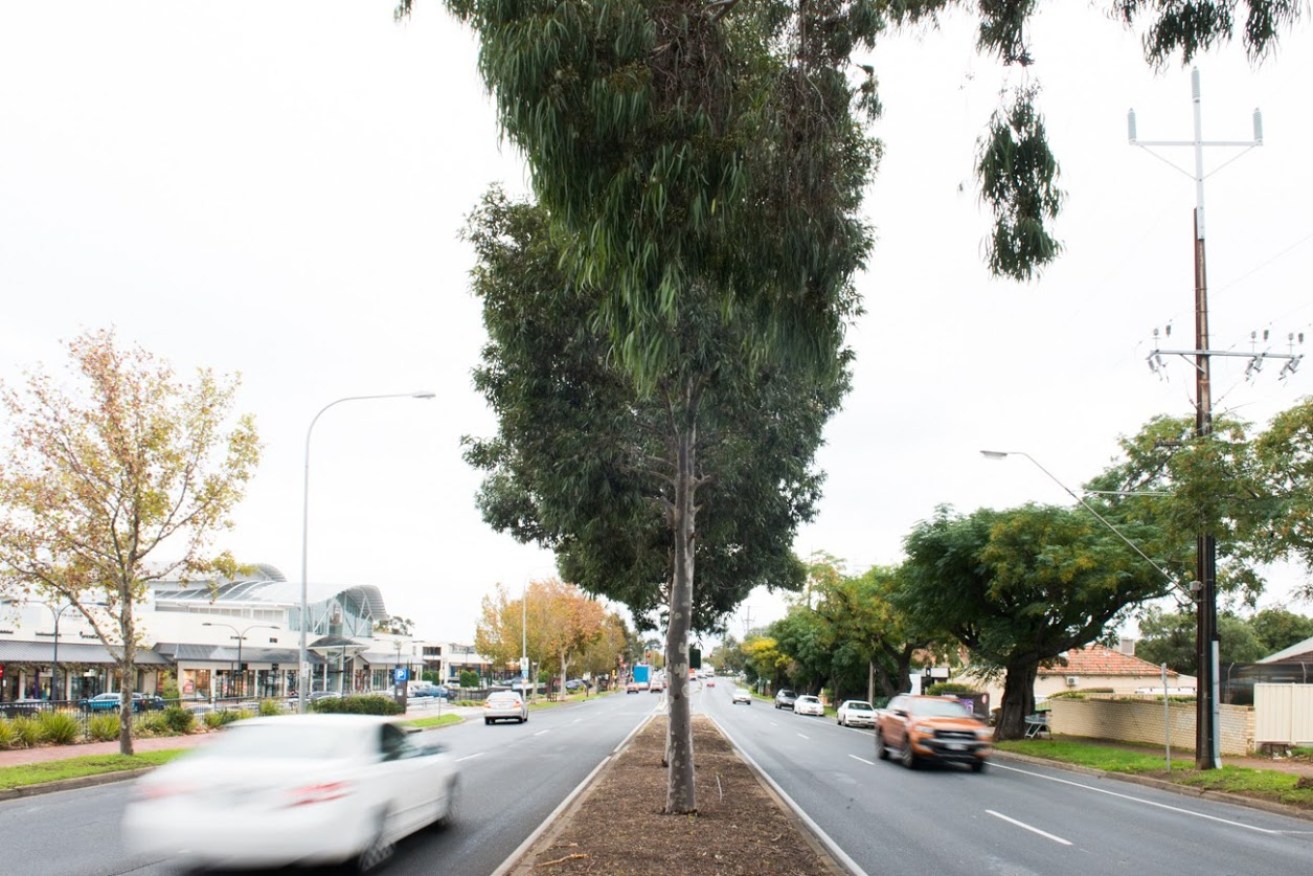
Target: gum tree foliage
pixel 642 60
pixel 1169 637
pixel 1020 587
pixel 116 478
pixel 628 485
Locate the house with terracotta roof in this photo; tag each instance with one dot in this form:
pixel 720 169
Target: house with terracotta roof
pixel 1096 667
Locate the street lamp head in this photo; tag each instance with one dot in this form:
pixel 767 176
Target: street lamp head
pixel 995 454
pixel 423 395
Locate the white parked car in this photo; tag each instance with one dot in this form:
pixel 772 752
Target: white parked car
pixel 295 789
pixel 808 705
pixel 856 713
pixel 742 696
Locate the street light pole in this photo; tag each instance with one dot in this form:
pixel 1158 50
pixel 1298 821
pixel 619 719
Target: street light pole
pixel 302 669
pixel 54 657
pixel 240 636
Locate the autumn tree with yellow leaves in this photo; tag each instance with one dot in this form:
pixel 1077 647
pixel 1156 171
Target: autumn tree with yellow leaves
pixel 117 477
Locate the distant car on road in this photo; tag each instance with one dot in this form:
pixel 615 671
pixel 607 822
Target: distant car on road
pixel 923 728
pixel 856 713
pixel 293 789
pixel 505 705
pixel 634 687
pixel 741 696
pixel 784 699
pixel 808 705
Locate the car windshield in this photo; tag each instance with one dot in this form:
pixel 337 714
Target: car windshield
pixel 281 741
pixel 858 706
pixel 504 700
pixel 940 709
pixel 808 700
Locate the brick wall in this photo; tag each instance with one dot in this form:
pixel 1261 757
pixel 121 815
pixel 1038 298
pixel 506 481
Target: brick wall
pixel 1142 721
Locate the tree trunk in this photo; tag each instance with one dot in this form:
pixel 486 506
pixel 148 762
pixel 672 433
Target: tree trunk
pixel 681 796
pixel 127 669
pixel 1018 700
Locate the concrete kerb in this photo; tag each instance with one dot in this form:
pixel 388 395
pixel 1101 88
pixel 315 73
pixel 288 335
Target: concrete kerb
pixel 1271 806
pixel 520 861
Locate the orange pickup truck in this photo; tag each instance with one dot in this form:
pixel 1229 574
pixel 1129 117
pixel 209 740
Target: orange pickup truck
pixel 921 728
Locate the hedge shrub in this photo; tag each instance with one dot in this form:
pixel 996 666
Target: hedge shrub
pixel 367 704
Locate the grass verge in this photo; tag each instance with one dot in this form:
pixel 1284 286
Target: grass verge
pixel 1259 784
pixel 78 767
pixel 434 721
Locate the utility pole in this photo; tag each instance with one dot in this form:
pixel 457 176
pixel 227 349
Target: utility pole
pixel 1208 751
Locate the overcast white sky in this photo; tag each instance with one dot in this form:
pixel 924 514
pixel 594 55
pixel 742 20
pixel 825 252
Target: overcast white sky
pixel 276 188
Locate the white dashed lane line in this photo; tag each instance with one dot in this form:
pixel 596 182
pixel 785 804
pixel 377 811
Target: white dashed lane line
pixel 1024 826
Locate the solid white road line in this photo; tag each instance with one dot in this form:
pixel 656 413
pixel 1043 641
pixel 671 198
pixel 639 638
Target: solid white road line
pixel 470 756
pixel 804 736
pixel 862 759
pixel 996 765
pixel 1024 826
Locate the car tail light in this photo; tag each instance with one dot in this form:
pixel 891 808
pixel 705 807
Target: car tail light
pixel 323 792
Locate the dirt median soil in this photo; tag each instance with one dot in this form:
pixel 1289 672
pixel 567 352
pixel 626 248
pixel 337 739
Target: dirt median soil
pixel 617 828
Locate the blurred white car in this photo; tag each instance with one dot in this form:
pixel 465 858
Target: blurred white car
pixel 295 789
pixel 505 705
pixel 856 713
pixel 742 696
pixel 808 705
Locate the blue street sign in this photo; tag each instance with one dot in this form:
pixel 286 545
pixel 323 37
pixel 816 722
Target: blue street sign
pixel 400 674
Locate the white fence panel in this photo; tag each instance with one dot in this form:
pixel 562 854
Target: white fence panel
pixel 1283 714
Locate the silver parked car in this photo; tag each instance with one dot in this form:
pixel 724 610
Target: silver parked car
pixel 294 789
pixel 505 705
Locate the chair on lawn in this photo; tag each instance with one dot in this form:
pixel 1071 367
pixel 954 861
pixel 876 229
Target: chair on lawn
pixel 1036 724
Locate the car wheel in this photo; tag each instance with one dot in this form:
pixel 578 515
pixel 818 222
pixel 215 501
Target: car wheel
pixel 881 750
pixel 379 848
pixel 978 766
pixel 448 816
pixel 908 757
pixel 487 721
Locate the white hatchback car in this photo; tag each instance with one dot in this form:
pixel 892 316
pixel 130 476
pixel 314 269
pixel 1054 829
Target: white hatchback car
pixel 741 696
pixel 293 789
pixel 856 713
pixel 808 705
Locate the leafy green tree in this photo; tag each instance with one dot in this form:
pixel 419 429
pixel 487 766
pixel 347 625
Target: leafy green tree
pixel 764 660
pixel 118 478
pixel 1169 637
pixel 631 487
pixel 1283 455
pixel 1020 587
pixel 1279 628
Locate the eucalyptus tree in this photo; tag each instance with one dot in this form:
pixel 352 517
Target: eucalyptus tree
pixel 1020 587
pixel 629 485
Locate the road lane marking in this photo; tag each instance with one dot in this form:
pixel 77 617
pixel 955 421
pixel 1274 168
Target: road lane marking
pixel 542 733
pixel 996 765
pixel 470 756
pixel 1024 826
pixel 804 736
pixel 862 759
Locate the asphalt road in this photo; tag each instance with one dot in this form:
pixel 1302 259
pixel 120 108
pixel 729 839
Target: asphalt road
pixel 513 776
pixel 1015 818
